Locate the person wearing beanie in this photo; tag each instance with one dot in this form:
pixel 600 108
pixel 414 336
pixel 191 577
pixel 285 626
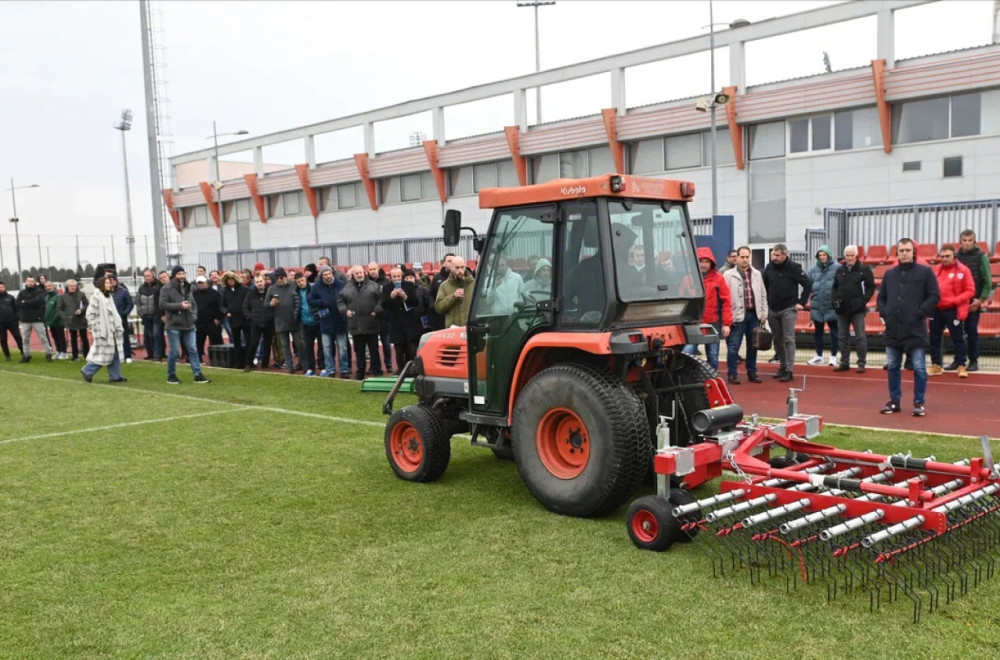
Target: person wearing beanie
pixel 285 305
pixel 332 324
pixel 180 316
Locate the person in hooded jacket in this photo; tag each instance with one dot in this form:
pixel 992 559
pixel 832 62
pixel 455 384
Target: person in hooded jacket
pixel 8 321
pixel 233 295
pixel 853 289
pixel 258 311
pixel 821 310
pixel 718 311
pixel 72 307
pixel 907 298
pixel 539 286
pixel 332 324
pixel 209 324
pixel 404 302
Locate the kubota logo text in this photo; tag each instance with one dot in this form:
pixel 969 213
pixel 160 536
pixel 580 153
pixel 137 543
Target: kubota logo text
pixel 574 190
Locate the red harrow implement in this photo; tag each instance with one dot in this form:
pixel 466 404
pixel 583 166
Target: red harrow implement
pixel 889 525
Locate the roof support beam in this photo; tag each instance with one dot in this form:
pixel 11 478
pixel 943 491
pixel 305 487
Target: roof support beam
pixel 213 207
pixel 431 149
pixel 520 164
pixel 884 115
pixel 310 192
pixel 258 201
pixel 735 130
pixel 361 160
pixel 617 148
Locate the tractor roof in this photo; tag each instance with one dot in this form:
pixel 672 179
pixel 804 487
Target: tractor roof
pixel 634 187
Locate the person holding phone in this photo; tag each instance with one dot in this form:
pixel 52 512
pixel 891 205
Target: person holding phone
pixel 454 296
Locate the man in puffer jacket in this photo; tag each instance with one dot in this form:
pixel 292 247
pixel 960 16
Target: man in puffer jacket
pixel 54 322
pixel 8 321
pixel 821 310
pixel 147 302
pixel 853 288
pixel 958 288
pixel 31 313
pixel 718 310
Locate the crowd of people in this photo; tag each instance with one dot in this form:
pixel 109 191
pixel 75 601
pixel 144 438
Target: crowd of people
pixel 301 321
pixel 915 301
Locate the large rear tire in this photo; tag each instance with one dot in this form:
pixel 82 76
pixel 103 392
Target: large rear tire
pixel 417 444
pixel 580 440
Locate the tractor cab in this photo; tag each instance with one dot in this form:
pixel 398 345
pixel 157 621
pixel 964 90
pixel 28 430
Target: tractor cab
pixel 577 257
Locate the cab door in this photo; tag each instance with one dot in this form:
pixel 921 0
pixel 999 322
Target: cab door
pixel 512 293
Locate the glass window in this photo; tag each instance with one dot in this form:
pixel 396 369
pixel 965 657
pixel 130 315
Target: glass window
pixel 989 108
pixel 767 140
pixel 484 176
pixel 723 147
pixel 645 156
pixel 582 270
pixel 242 209
pixel 460 179
pixel 683 151
pixel 410 187
pixel 500 290
pixel 346 197
pixel 857 129
pixel 199 215
pixel 820 132
pixel 573 164
pixel 767 202
pixel 544 168
pixel 919 121
pixel 798 136
pixel 601 161
pixel 290 203
pixel 652 252
pixel 506 174
pixel 965 113
pixel 428 186
pixel 389 190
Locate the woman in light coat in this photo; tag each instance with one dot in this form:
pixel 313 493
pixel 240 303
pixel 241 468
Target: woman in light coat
pixel 106 326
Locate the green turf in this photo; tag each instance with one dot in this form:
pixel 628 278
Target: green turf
pixel 255 532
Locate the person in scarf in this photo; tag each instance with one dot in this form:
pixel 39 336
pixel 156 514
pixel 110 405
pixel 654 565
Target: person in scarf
pixel 106 325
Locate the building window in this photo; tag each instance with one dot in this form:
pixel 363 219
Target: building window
pixel 573 164
pixel 683 151
pixel 197 216
pixel 347 197
pixel 389 190
pixel 798 136
pixel 723 147
pixel 460 181
pixel 911 166
pixel 857 129
pixel 645 156
pixel 767 201
pixel 966 112
pixel 601 161
pixel 484 176
pixel 919 121
pixel 409 187
pixel 767 140
pixel 506 174
pixel 953 166
pixel 291 203
pixel 241 209
pixel 544 168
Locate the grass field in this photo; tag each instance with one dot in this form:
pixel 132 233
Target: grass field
pixel 257 517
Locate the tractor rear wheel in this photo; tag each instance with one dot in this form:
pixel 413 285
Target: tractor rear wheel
pixel 580 440
pixel 417 444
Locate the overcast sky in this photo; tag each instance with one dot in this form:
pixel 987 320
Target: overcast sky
pixel 68 68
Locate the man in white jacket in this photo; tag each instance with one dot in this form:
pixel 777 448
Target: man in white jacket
pixel 746 286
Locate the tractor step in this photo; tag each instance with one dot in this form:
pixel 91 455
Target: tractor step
pixel 385 384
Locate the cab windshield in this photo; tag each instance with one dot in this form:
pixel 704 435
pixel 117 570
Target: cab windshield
pixel 653 252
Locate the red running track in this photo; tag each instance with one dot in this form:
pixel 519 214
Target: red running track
pixel 955 406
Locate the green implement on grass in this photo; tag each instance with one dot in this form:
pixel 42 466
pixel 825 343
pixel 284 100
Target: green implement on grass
pixel 385 384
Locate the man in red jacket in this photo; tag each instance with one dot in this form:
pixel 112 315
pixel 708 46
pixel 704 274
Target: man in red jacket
pixel 957 289
pixel 718 303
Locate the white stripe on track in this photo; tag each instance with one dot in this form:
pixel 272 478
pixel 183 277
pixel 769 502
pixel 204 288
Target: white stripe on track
pixel 120 426
pixel 187 397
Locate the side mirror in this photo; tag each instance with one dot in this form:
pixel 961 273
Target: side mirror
pixel 452 227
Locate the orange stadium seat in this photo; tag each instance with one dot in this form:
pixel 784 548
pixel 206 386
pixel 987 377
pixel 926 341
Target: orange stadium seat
pixel 995 273
pixel 993 302
pixel 928 252
pixel 876 254
pixel 803 322
pixel 995 257
pixel 989 324
pixel 873 324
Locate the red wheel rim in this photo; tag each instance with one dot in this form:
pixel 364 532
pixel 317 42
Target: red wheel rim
pixel 644 526
pixel 406 446
pixel 563 443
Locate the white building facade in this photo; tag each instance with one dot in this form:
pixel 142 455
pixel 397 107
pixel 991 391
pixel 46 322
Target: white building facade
pixel 892 133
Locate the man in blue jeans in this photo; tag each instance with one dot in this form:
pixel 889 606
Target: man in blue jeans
pixel 908 296
pixel 746 288
pixel 180 313
pixel 332 324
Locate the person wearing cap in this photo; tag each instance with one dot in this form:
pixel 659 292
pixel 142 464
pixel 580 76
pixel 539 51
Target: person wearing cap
pixel 180 316
pixel 332 324
pixel 209 323
pixel 31 314
pixel 420 275
pixel 540 284
pixel 284 302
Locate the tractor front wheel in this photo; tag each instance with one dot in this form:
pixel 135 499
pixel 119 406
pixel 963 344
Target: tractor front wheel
pixel 580 440
pixel 417 444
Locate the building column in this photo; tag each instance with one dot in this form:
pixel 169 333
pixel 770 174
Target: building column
pixel 437 125
pixel 258 161
pixel 738 66
pixel 886 37
pixel 311 151
pixel 370 139
pixel 618 89
pixel 521 109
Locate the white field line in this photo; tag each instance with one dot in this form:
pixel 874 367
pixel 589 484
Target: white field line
pixel 119 426
pixel 187 397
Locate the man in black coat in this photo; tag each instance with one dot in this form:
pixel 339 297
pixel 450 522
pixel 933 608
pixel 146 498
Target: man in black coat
pixel 404 302
pixel 361 302
pixel 908 296
pixel 31 313
pixel 209 322
pixel 257 309
pixel 783 279
pixel 853 288
pixel 233 295
pixel 8 321
pixel 377 275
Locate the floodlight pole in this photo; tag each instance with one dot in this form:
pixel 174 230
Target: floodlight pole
pixel 218 192
pixel 129 238
pixel 17 221
pixel 538 62
pixel 711 46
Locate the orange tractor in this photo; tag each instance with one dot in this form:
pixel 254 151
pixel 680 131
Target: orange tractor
pixel 572 370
